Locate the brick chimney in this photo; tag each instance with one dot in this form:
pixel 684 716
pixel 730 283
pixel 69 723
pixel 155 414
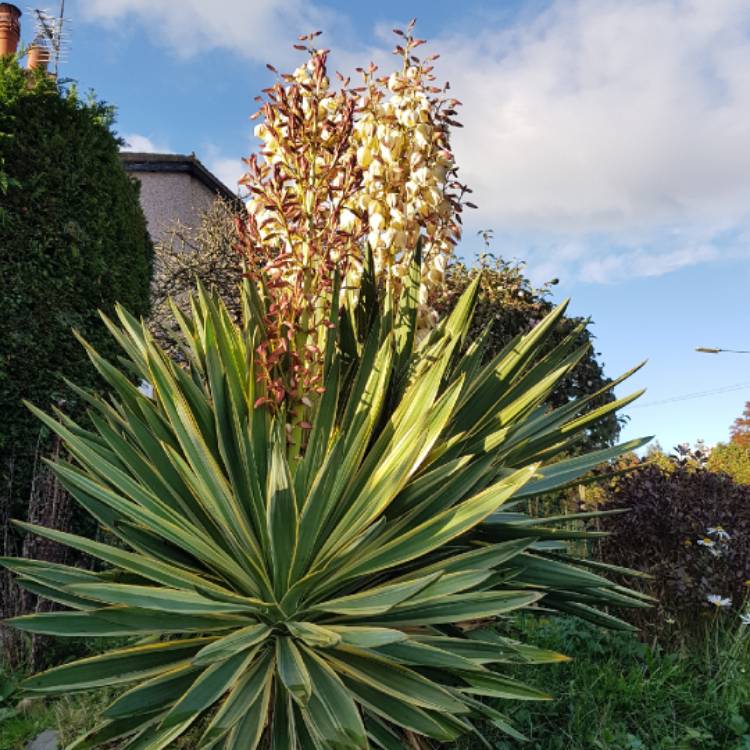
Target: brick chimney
pixel 10 29
pixel 37 55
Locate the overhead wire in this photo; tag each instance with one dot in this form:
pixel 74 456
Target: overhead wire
pixel 698 394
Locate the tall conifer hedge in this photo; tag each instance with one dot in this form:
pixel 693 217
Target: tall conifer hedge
pixel 73 240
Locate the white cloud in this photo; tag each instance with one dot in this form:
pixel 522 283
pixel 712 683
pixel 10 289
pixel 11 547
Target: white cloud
pixel 260 30
pixel 143 144
pixel 617 256
pixel 603 115
pixel 227 170
pixel 603 139
pixel 639 263
pixel 599 123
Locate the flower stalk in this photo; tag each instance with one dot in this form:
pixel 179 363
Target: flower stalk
pixel 342 173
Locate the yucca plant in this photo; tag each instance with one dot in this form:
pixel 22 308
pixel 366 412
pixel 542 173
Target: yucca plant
pixel 342 595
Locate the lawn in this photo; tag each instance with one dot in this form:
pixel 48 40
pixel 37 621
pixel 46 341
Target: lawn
pixel 620 694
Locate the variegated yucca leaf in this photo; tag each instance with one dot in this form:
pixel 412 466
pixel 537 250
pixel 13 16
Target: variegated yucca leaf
pixel 334 599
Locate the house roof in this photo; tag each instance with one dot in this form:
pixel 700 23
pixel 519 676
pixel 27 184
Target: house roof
pixel 148 162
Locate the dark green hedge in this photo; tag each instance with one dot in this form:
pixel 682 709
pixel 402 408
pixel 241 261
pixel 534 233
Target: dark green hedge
pixel 73 240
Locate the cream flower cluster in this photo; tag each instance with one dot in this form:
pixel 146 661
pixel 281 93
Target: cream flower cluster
pixel 298 183
pixel 341 170
pixel 302 170
pixel 403 152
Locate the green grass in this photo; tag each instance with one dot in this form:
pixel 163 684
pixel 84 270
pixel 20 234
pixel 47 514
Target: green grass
pixel 618 694
pixel 15 733
pixel 70 715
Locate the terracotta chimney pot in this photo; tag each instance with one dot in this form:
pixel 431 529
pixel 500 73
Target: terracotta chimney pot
pixel 10 29
pixel 37 56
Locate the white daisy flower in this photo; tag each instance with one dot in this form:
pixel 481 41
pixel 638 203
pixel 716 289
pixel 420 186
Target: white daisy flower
pixel 719 532
pixel 719 601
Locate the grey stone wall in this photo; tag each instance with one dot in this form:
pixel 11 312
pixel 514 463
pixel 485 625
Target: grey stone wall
pixel 167 197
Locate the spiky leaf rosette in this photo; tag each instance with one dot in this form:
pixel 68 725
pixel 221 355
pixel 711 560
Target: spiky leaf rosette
pixel 330 600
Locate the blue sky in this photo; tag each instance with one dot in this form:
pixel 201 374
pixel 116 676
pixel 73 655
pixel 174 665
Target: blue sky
pixel 607 142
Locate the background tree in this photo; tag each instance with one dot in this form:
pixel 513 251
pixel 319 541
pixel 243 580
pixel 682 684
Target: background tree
pixel 510 305
pixel 205 254
pixel 740 430
pixel 733 459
